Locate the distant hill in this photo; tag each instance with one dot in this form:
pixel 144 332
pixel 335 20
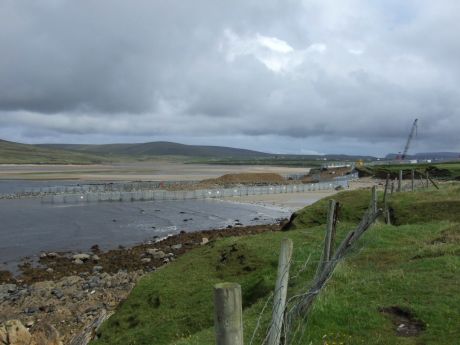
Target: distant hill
pixel 437 155
pixel 428 155
pixel 164 148
pixel 15 153
pixel 159 148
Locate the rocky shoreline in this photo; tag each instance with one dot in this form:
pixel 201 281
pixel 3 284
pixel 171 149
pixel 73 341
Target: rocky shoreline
pixel 69 291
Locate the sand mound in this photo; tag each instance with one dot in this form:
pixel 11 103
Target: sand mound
pixel 247 178
pixel 325 174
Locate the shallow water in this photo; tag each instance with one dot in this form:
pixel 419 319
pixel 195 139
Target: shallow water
pixel 19 186
pixel 28 227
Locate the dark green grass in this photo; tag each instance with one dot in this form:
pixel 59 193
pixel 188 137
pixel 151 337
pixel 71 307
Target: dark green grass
pixel 443 171
pixel 286 162
pixel 424 205
pixel 415 266
pixel 394 266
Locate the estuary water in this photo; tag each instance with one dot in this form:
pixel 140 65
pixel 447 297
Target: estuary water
pixel 28 226
pixel 19 186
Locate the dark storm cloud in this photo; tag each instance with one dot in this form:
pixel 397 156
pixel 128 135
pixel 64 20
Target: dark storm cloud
pixel 355 70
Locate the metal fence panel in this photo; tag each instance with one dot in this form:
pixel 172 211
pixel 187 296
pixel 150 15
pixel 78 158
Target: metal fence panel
pixel 138 191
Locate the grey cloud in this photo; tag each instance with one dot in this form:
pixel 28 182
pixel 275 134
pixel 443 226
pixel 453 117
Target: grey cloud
pixel 358 71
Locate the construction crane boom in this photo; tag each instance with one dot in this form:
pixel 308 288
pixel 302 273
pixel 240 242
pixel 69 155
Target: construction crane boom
pixel 409 139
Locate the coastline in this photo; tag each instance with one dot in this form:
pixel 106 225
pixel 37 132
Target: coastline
pixel 70 293
pixel 293 202
pixel 290 202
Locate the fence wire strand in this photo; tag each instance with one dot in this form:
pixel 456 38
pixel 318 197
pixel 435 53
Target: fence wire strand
pixel 295 323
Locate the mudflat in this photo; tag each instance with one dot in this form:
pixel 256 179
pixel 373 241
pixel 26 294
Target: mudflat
pixel 29 226
pixel 138 171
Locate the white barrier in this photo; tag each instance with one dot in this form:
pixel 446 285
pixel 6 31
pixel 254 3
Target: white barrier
pixel 150 195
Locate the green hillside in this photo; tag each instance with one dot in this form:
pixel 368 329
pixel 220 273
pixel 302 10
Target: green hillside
pixel 199 154
pixel 396 274
pixel 15 153
pixel 159 148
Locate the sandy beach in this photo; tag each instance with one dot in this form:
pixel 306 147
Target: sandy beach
pixel 296 201
pixel 289 201
pixel 139 171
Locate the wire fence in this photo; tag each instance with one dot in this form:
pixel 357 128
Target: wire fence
pixel 136 186
pixel 284 320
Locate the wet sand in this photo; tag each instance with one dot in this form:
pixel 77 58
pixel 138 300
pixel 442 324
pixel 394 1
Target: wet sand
pixel 295 201
pixel 139 171
pixel 29 226
pixel 289 201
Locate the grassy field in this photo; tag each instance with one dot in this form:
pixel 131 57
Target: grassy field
pixel 279 160
pixel 288 162
pixel 413 266
pixel 445 171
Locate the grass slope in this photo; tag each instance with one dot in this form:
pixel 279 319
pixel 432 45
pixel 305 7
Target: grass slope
pixel 407 208
pixel 415 266
pixel 15 153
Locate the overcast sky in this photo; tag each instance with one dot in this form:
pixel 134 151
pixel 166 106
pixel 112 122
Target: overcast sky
pixel 313 76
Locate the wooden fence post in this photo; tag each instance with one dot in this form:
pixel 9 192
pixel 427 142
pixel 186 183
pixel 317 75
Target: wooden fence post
pixel 302 308
pixel 387 217
pixel 228 316
pixel 329 236
pixel 279 302
pixel 386 212
pixel 330 231
pixel 392 186
pixel 432 181
pixel 385 191
pixel 427 179
pixel 400 180
pixel 374 199
pixel 412 175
